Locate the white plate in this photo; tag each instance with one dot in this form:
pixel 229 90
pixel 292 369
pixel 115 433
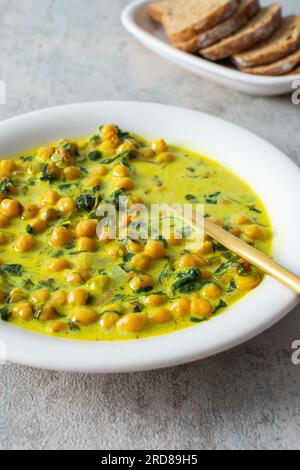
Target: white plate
pixel 137 21
pixel 272 175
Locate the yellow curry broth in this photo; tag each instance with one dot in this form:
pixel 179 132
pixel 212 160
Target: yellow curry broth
pixel 103 292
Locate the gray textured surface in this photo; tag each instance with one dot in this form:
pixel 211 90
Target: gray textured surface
pixel 62 51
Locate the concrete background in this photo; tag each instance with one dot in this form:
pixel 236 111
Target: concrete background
pixel 62 51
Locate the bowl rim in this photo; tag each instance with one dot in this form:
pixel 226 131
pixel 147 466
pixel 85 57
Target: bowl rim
pixel 235 326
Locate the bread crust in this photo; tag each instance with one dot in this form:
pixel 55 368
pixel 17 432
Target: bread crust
pixel 246 10
pixel 259 28
pixel 281 44
pixel 281 67
pixel 216 15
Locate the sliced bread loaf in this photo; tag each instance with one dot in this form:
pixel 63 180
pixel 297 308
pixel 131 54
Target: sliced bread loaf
pixel 159 9
pixel 259 28
pixel 182 19
pixel 247 9
pixel 282 43
pixel 295 71
pixel 281 67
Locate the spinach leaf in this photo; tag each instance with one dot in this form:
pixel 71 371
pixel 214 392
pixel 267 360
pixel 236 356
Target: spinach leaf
pixel 221 305
pixel 95 155
pixel 6 186
pixel 187 281
pixel 11 270
pixel 4 314
pixel 229 264
pixel 47 174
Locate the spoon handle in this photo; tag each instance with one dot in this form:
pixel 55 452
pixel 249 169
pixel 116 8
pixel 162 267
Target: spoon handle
pixel 254 256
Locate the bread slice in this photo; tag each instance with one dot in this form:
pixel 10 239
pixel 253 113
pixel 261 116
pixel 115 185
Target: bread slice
pixel 281 67
pixel 282 43
pixel 247 9
pixel 259 28
pixel 182 19
pixel 159 9
pixel 295 71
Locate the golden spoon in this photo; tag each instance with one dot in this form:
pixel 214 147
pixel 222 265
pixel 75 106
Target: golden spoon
pixel 250 254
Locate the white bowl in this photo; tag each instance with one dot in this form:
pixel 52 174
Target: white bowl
pixel 270 173
pixel 136 20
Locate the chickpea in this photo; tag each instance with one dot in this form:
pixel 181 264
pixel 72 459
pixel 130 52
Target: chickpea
pixel 85 316
pixel 59 298
pixel 106 235
pixel 100 170
pixel 246 283
pixel 114 308
pixel 205 248
pixel 240 219
pixel 211 292
pixel 124 183
pixel 58 265
pixel 187 261
pixel 23 311
pixel 141 282
pixel 78 297
pixel 86 244
pixel 48 313
pixel 160 315
pixel 38 226
pixel 66 205
pixel 120 171
pixel 11 208
pixel 108 148
pixel 236 231
pixel 87 228
pixel 215 221
pixel 77 278
pixel 155 250
pixel 3 239
pixel 201 308
pixel 174 240
pixel 165 157
pixel 17 295
pixel 255 232
pixel 44 153
pixel 200 260
pixel 2 297
pixel 50 198
pixel 109 320
pixel 108 131
pixel 60 237
pixel 25 243
pixel 126 147
pixel 7 167
pixel 181 307
pixel 30 211
pixel 146 152
pixel 141 261
pixel 155 300
pixel 93 182
pixel 99 283
pixel 133 322
pixel 4 221
pixel 115 249
pixel 134 247
pixel 72 173
pixel 159 146
pixel 48 214
pixel 40 296
pixel 59 326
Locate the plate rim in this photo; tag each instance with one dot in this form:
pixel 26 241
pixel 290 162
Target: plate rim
pixel 20 341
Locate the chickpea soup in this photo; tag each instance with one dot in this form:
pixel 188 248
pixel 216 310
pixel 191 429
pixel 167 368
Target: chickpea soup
pixel 59 278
